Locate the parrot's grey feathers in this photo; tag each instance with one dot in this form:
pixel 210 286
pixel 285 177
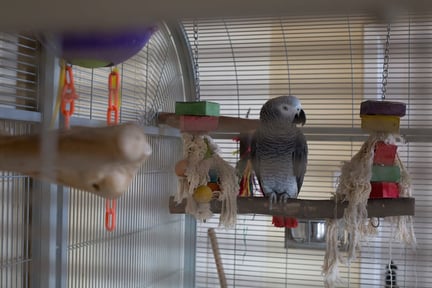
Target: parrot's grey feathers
pixel 300 160
pixel 279 149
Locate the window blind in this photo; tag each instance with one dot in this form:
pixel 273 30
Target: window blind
pixel 18 70
pixel 332 64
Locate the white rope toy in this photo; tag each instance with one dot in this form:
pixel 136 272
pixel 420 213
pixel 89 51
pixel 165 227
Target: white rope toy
pixel 354 186
pixel 202 155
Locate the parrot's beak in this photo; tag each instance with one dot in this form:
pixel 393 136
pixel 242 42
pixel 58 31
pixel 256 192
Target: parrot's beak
pixel 300 118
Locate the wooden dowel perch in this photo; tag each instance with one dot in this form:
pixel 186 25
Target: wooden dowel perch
pixel 226 124
pixel 308 209
pixel 101 160
pixel 215 247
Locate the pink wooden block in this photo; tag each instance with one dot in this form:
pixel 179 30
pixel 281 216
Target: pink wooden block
pixel 190 123
pixel 384 154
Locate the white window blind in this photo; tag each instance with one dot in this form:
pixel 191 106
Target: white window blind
pixel 332 64
pixel 18 70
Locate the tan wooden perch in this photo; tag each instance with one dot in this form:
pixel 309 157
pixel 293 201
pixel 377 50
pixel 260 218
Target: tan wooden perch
pixel 226 124
pixel 101 160
pixel 218 260
pixel 309 209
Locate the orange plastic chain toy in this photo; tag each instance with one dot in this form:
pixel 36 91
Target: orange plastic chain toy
pixel 113 97
pixel 68 96
pixel 112 119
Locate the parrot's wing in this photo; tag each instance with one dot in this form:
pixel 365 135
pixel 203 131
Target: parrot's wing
pixel 299 158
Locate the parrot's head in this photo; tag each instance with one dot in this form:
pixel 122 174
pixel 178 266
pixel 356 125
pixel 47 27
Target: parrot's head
pixel 283 109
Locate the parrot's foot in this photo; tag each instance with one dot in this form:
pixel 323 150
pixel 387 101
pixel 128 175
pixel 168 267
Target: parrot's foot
pixel 284 198
pixel 273 199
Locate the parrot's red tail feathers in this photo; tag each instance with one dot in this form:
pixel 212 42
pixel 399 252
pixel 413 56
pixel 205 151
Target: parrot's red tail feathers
pixel 291 222
pixel 278 221
pixel 282 221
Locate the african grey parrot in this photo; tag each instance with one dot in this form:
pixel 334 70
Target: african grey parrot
pixel 279 152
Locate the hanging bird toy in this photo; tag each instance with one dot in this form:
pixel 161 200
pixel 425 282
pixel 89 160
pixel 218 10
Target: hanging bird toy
pixel 376 171
pixel 203 174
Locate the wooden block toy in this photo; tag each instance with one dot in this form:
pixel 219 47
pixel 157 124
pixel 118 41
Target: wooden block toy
pixel 282 221
pixel 371 107
pixel 385 173
pixel 214 177
pixel 384 190
pixel 384 153
pixel 213 186
pixel 198 108
pixel 380 123
pixel 198 123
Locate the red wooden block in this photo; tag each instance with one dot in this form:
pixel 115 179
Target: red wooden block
pixel 190 123
pixel 282 221
pixel 384 190
pixel 384 153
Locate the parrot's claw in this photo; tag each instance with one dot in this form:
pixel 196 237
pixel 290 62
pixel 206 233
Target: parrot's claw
pixel 273 199
pixel 284 198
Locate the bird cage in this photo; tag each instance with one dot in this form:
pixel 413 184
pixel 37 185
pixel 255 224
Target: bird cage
pixel 41 220
pixel 332 64
pixel 54 236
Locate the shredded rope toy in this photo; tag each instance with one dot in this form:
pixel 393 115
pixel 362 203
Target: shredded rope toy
pixel 354 186
pixel 382 120
pixel 201 156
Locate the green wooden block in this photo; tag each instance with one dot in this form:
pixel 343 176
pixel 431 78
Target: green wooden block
pixel 198 108
pixel 385 173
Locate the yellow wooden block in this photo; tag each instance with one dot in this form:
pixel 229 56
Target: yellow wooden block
pixel 380 123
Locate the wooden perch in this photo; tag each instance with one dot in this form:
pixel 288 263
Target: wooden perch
pixel 101 160
pixel 308 209
pixel 218 260
pixel 226 124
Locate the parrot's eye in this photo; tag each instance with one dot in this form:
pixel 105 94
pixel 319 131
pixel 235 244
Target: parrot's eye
pixel 285 107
